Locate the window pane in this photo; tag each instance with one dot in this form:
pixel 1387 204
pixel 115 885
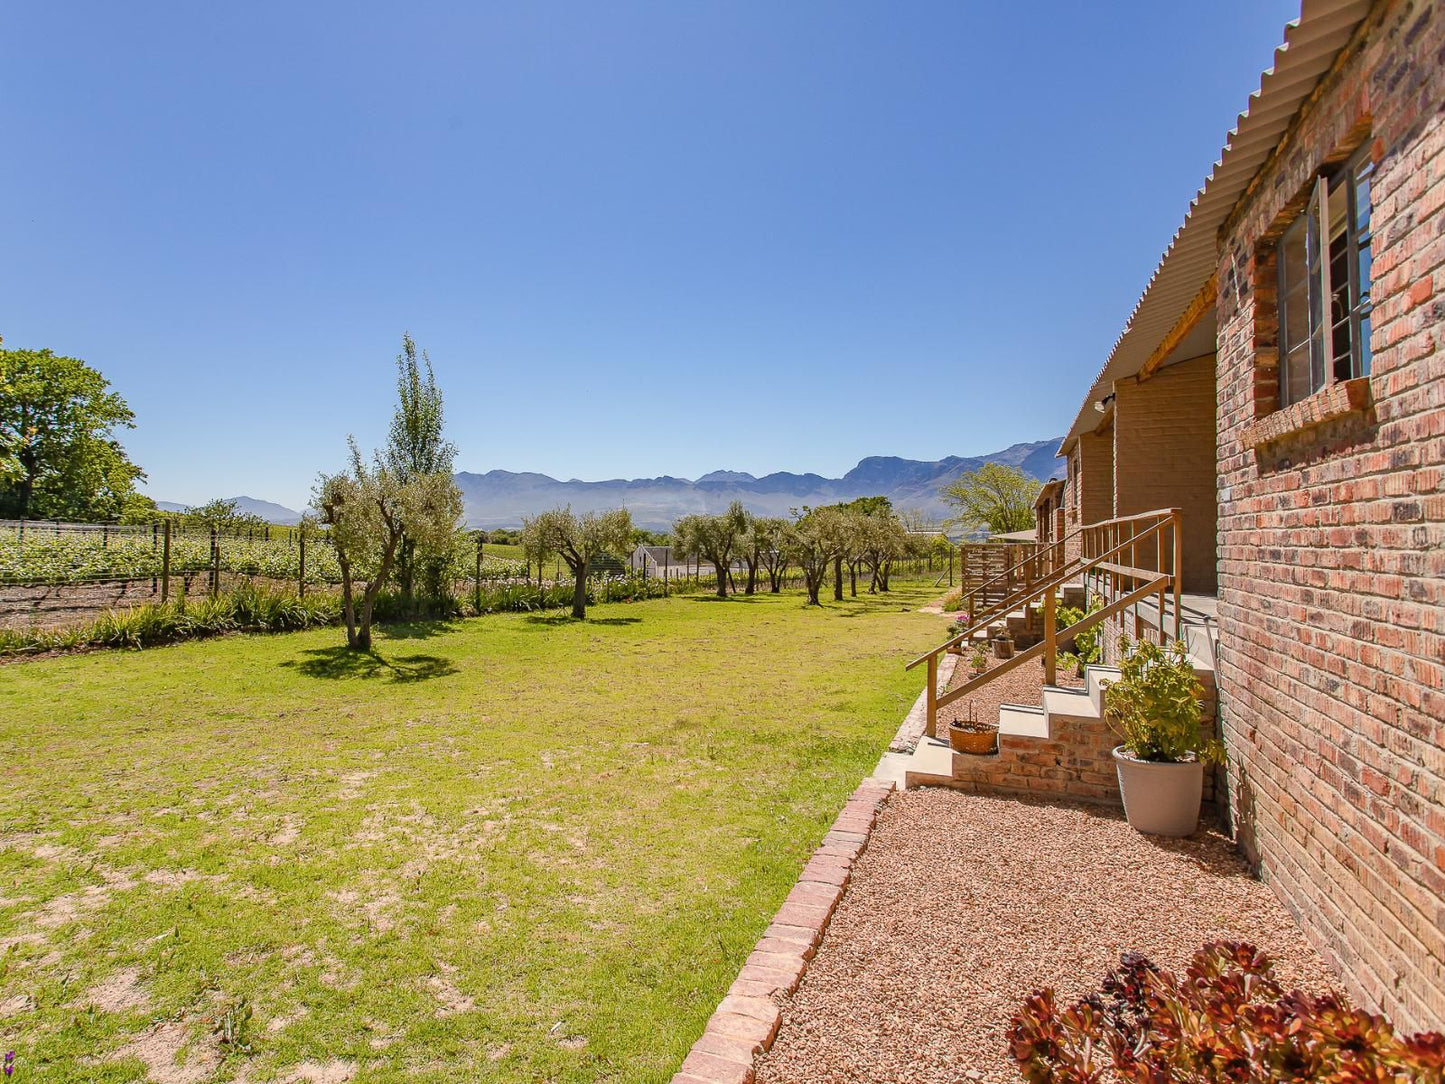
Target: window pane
pixel 1292 256
pixel 1296 319
pixel 1296 373
pixel 1365 345
pixel 1362 196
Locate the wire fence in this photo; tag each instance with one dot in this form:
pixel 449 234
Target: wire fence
pixel 55 573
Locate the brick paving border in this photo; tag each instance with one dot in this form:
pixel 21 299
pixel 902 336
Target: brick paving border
pixel 746 1020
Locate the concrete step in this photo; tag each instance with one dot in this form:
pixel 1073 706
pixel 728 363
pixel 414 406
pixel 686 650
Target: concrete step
pixel 1095 677
pixel 1022 721
pixel 1071 705
pixel 930 765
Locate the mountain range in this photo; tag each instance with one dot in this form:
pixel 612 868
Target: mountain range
pixel 500 498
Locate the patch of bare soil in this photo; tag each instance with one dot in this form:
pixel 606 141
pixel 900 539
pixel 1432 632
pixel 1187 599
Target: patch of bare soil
pixel 160 1050
pixel 121 992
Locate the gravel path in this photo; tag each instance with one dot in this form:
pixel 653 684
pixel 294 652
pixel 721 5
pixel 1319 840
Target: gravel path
pixel 963 904
pixel 1021 685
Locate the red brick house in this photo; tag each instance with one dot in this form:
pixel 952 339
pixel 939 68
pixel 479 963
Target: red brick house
pixel 1282 383
pixel 1271 425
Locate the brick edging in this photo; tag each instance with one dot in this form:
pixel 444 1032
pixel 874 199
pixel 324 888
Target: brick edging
pixel 747 1019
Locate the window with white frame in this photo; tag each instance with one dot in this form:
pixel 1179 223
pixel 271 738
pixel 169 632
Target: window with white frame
pixel 1324 284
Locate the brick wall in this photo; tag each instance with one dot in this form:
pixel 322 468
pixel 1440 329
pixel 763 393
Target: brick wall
pixel 1096 466
pixel 1075 762
pixel 1164 458
pixel 1332 545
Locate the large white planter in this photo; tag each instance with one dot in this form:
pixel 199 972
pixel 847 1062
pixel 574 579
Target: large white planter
pixel 1161 799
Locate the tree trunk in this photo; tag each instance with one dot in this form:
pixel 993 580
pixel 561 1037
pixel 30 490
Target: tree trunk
pixel 579 590
pixel 719 562
pixel 852 579
pixel 838 579
pixel 348 608
pixel 752 577
pixel 813 577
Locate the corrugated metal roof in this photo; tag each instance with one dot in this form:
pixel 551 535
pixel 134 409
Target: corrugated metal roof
pixel 1311 44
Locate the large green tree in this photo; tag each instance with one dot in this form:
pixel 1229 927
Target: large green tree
pixel 416 448
pixel 369 510
pixel 59 457
pixel 577 540
pixel 994 498
pixel 714 538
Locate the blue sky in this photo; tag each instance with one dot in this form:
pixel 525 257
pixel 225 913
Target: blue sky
pixel 636 239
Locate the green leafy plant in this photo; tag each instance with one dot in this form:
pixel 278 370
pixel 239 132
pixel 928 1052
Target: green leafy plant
pixel 1154 705
pixel 1226 1020
pixel 1087 648
pixel 979 659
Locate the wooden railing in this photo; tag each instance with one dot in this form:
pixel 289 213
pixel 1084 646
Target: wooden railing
pixel 1040 560
pixel 1117 584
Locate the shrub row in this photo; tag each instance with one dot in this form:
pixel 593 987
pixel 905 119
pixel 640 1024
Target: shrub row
pixel 250 608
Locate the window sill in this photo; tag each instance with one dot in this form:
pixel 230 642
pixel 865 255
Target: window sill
pixel 1338 400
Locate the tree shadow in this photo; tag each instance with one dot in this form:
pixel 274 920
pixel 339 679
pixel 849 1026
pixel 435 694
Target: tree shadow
pixel 338 663
pixel 420 628
pixel 566 618
pixel 731 598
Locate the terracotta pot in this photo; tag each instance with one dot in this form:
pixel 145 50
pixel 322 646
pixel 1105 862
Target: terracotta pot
pixel 1160 798
pixel 977 742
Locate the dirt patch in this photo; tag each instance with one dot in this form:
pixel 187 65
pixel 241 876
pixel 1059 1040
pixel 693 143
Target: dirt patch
pixel 450 1000
pixel 352 784
pixel 121 992
pixel 317 1072
pixel 159 1049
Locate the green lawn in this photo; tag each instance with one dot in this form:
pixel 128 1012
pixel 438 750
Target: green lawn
pixel 511 848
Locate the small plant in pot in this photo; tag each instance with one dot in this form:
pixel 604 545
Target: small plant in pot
pixel 1154 707
pixel 1003 647
pixel 978 661
pixel 970 736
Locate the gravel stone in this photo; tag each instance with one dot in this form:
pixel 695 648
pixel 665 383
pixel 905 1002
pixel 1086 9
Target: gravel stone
pixel 964 904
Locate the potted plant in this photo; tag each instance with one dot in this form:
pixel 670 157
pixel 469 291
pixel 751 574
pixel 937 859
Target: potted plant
pixel 1003 647
pixel 1154 707
pixel 978 661
pixel 971 736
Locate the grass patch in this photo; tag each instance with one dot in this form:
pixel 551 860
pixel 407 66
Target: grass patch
pixel 505 848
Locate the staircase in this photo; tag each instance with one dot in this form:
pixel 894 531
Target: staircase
pixel 1062 747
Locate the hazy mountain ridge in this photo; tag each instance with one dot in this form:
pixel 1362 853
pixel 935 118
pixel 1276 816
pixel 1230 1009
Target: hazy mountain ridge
pixel 501 498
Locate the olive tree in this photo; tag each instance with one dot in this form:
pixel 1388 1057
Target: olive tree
pixel 883 541
pixel 577 540
pixel 813 542
pixel 714 538
pixel 369 510
pixel 767 535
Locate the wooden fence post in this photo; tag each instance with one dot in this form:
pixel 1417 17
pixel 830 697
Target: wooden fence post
pixel 1050 647
pixel 301 573
pixel 215 564
pixel 166 563
pixel 931 727
pixel 480 536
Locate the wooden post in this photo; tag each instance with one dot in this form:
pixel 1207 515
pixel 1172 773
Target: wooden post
pixel 301 576
pixel 215 564
pixel 1050 650
pixel 931 727
pixel 479 574
pixel 1177 574
pixel 166 562
pixel 950 566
